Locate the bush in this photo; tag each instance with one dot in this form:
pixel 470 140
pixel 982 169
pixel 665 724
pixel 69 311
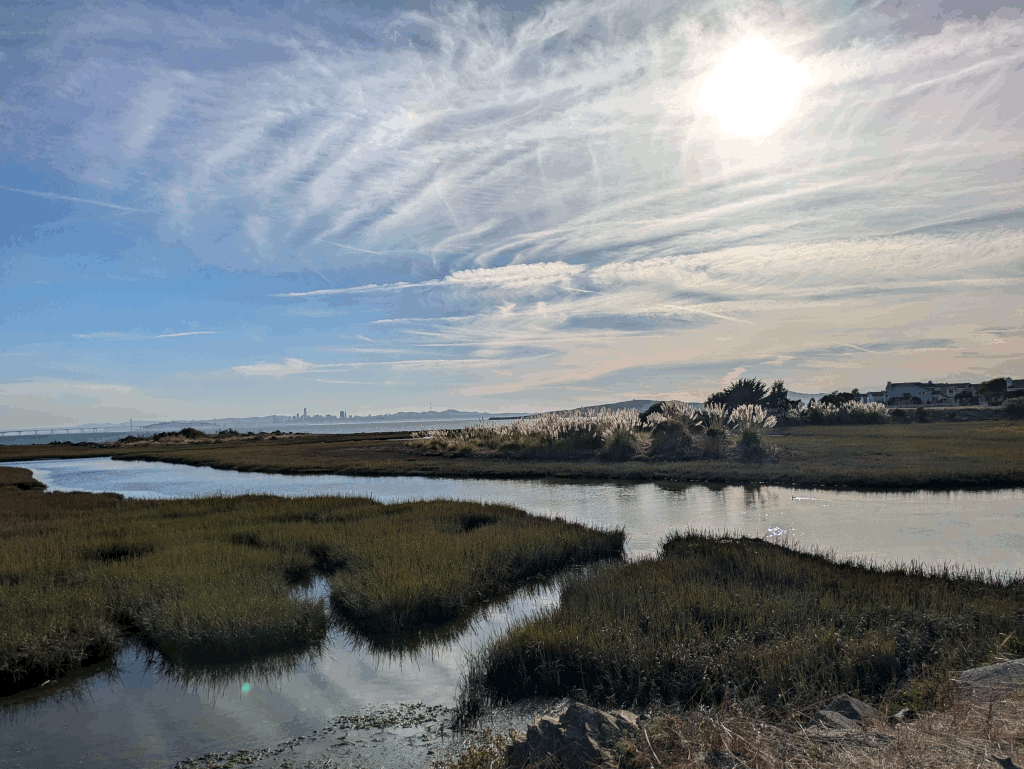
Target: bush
pixel 671 440
pixel 620 444
pixel 920 414
pixel 1015 408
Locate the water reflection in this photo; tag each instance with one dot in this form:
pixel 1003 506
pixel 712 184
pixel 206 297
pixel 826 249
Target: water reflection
pixel 265 671
pixel 69 690
pixel 432 640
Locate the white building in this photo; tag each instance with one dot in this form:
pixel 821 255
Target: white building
pixel 926 393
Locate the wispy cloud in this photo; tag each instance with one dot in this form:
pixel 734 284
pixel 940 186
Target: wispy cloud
pixel 575 131
pixel 537 204
pixel 286 368
pixel 520 277
pixel 134 336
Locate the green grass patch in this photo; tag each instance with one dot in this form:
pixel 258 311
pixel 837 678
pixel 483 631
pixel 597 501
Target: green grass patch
pixel 210 581
pixel 428 563
pixel 715 619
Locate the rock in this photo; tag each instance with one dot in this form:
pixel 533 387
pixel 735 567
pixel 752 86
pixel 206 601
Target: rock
pixel 993 679
pixel 847 712
pixel 581 738
pixel 903 716
pixel 833 719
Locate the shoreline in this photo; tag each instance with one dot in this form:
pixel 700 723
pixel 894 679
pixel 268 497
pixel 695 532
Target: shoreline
pixel 978 456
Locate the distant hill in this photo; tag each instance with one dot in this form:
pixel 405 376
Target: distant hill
pixel 638 404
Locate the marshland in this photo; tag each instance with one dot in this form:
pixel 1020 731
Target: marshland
pixel 207 580
pixel 203 587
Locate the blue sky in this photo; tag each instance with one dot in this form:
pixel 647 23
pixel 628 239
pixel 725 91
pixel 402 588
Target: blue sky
pixel 255 208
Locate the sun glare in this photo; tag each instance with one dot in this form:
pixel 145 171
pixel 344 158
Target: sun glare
pixel 753 89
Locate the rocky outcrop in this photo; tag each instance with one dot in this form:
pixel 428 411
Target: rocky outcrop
pixel 1001 678
pixel 580 738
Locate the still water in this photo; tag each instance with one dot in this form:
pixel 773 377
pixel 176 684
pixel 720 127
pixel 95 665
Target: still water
pixel 140 715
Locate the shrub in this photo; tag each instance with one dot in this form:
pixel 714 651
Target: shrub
pixel 921 414
pixel 671 440
pixel 620 444
pixel 1015 408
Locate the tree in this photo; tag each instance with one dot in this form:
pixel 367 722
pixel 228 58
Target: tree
pixel 995 386
pixel 740 393
pixel 777 401
pixel 836 398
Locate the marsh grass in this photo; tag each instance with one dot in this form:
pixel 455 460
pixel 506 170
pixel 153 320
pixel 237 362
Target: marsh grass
pixel 208 581
pixel 717 618
pixel 434 561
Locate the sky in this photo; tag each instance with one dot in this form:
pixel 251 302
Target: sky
pixel 253 208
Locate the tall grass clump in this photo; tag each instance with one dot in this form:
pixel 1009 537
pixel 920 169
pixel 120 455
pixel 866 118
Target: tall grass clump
pixel 209 581
pixel 716 618
pixel 576 433
pixel 752 421
pixel 847 413
pixel 667 430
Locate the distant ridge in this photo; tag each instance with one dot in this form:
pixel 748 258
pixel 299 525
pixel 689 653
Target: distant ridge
pixel 638 404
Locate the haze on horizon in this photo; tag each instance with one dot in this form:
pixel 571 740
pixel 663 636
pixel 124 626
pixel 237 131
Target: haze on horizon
pixel 501 207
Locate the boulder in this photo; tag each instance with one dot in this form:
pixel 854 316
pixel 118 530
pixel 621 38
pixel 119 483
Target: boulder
pixel 846 712
pixel 580 738
pixel 1003 677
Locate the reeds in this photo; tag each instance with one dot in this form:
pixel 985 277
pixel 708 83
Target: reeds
pixel 717 618
pixel 846 413
pixel 670 430
pixel 207 580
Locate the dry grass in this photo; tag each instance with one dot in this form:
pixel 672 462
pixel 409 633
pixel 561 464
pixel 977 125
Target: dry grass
pixel 966 733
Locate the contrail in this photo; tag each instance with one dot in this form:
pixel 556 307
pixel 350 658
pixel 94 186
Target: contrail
pixel 55 196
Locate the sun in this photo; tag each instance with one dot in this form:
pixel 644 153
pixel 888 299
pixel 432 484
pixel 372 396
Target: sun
pixel 753 89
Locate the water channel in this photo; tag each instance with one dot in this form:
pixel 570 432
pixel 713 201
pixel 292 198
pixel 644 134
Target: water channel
pixel 139 715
